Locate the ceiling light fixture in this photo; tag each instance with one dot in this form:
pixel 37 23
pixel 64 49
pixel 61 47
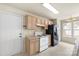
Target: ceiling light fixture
pixel 51 8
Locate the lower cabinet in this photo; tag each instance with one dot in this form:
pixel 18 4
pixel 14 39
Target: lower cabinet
pixel 49 40
pixel 32 46
pixel 37 46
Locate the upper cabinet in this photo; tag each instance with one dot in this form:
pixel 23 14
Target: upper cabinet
pixel 46 24
pixel 40 22
pixel 43 22
pixel 32 22
pixel 34 19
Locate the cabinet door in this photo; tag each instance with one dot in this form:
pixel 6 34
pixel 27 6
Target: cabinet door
pixel 27 46
pixel 38 21
pixel 33 22
pixel 46 24
pixel 49 40
pixel 29 22
pixel 32 46
pixel 37 45
pixel 43 21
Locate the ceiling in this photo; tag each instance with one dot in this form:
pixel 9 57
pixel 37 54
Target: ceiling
pixel 65 9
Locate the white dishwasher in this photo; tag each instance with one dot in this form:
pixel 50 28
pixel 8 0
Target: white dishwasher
pixel 43 43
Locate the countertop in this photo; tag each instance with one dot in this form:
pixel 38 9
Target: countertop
pixel 36 37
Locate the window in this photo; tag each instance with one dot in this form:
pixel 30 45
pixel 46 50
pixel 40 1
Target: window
pixel 76 28
pixel 67 29
pixel 70 28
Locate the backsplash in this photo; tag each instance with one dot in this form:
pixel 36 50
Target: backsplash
pixel 29 32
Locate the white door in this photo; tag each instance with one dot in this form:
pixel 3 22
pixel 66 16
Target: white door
pixel 10 32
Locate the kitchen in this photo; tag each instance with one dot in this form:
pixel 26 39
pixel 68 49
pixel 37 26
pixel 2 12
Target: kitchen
pixel 37 40
pixel 28 33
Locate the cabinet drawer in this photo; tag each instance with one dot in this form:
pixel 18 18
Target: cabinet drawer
pixel 32 48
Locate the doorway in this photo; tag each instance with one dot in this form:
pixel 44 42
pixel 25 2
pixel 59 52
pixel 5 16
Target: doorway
pixel 11 41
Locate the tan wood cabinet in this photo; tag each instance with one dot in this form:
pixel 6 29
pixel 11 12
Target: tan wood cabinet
pixel 27 22
pixel 46 24
pixel 49 40
pixel 38 21
pixel 34 19
pixel 32 46
pixel 43 22
pixel 30 22
pixel 37 45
